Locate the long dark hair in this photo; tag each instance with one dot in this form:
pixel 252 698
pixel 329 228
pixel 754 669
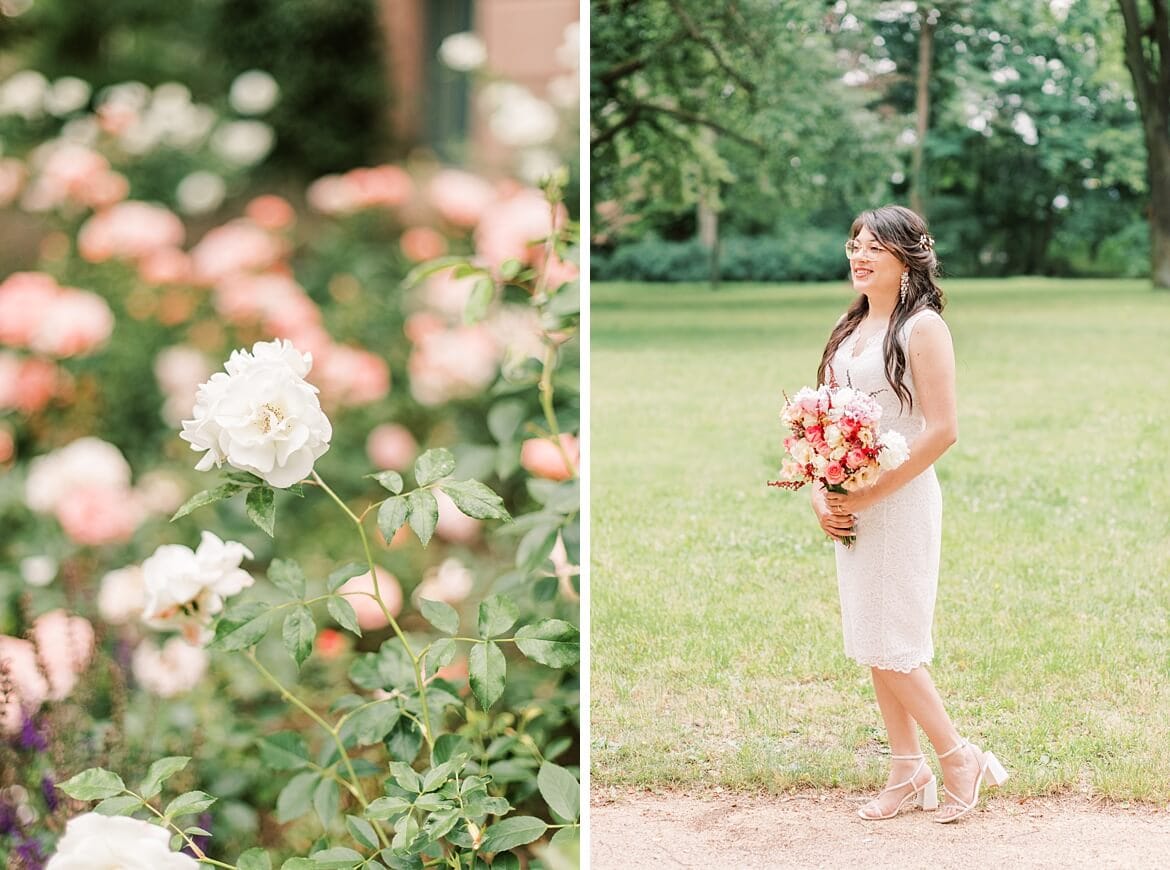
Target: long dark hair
pixel 904 234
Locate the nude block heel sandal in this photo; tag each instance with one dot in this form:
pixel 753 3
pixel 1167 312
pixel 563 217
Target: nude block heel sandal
pixel 928 791
pixel 990 771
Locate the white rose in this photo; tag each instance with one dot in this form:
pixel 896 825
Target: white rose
pixel 174 670
pixel 819 464
pixel 261 415
pixel 450 582
pixel 838 453
pixel 463 51
pixel 185 588
pixel 802 452
pixel 894 450
pixel 122 595
pixel 833 436
pixel 95 841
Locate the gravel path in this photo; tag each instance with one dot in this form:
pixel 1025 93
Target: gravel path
pixel 632 829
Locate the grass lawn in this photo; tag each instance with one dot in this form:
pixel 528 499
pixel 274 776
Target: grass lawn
pixel 716 643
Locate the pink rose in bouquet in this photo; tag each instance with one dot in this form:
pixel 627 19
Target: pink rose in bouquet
pixel 835 440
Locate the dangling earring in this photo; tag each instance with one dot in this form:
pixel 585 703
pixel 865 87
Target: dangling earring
pixel 905 286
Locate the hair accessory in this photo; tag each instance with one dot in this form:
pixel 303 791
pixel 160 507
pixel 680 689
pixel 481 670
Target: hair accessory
pixel 905 285
pixel 926 242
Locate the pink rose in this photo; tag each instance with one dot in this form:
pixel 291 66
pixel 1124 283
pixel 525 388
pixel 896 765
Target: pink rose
pixel 129 231
pixel 96 515
pixel 542 458
pixel 77 324
pixel 27 686
pixel 513 228
pixel 65 645
pixel 422 243
pixel 815 434
pixel 855 458
pixel 460 197
pixel 165 266
pixel 28 385
pixel 271 212
pixel 834 473
pixel 25 297
pixel 351 376
pixel 12 174
pixel 454 526
pixel 237 246
pixel 391 446
pixel 358 591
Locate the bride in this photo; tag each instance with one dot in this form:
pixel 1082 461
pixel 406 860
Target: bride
pixel 893 343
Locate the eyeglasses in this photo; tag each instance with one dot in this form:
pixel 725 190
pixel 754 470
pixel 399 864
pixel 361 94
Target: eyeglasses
pixel 855 249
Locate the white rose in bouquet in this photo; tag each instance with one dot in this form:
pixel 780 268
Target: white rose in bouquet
pixel 185 587
pixel 92 840
pixel 893 450
pixel 261 415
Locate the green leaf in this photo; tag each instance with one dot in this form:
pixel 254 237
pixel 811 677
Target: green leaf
pixel 510 268
pixel 299 631
pixel 188 803
pixel 159 772
pixel 261 507
pixel 345 572
pixel 299 864
pixel 441 654
pixel 487 672
pixel 475 499
pixel 479 300
pixel 326 802
pixel 535 547
pixel 391 516
pixel 406 776
pixel 431 802
pixel 362 831
pixel 371 724
pixel 423 514
pixel 284 750
pixel 342 611
pixel 296 798
pixel 505 418
pixel 242 627
pixel 432 465
pixel 208 496
pixel 447 746
pixel 424 270
pixel 118 805
pixel 551 642
pixel 560 790
pixel 389 480
pixel 388 668
pixel 196 831
pixel 93 784
pixel 387 808
pixel 287 576
pixel 337 858
pixel 254 859
pixel 440 614
pixel 512 832
pixel 440 823
pixel 405 740
pixel 567 841
pixel 505 861
pixel 496 615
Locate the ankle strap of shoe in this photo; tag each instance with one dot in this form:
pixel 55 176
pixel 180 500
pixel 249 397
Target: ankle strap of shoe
pixel 918 757
pixel 963 742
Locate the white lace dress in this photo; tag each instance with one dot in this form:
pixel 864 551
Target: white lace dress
pixel 888 578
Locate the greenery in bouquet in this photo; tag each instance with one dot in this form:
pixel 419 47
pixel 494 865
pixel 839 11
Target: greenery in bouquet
pixel 349 637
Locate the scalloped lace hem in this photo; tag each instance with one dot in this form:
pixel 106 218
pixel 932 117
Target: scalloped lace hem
pixel 901 667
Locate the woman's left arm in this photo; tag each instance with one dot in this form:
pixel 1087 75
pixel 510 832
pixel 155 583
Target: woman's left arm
pixel 932 364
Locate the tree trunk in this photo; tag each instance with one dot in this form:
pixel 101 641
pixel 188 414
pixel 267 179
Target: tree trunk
pixel 929 20
pixel 709 238
pixel 1151 85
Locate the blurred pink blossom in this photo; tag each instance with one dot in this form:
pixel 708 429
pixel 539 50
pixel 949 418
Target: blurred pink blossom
pixel 247 298
pixel 24 299
pixel 165 266
pixel 27 686
pixel 422 243
pixel 173 670
pixel 76 324
pixel 237 246
pixel 271 212
pixel 454 526
pixel 7 444
pixel 450 581
pixel 95 515
pixel 450 364
pixel 27 384
pixel 122 595
pixel 65 646
pixel 86 462
pixel 12 175
pixel 358 592
pixel 460 197
pixel 541 457
pixel 361 188
pixel 514 227
pixel 160 491
pixel 445 293
pixel 180 369
pixel 351 376
pixel 391 445
pixel 129 231
pixel 69 173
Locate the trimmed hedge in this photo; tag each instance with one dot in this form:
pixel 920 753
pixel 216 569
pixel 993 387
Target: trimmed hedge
pixel 807 255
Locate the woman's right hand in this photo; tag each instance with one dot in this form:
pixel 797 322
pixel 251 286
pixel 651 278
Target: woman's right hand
pixel 836 526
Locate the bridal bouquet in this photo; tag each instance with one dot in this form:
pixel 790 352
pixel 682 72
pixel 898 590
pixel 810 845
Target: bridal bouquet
pixel 835 440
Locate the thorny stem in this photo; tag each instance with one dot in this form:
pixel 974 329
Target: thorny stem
pixel 415 660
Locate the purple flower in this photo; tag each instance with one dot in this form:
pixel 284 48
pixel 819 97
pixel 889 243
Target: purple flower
pixel 31 737
pixel 28 849
pixel 8 820
pixel 49 792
